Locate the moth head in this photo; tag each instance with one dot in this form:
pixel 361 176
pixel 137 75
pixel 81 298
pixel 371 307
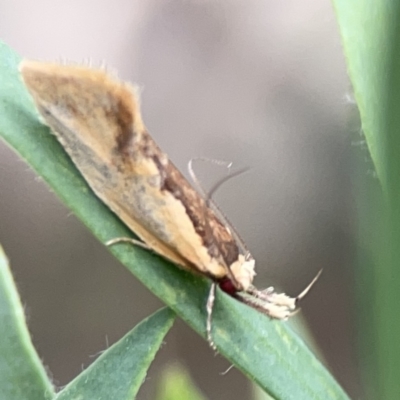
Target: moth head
pixel 243 271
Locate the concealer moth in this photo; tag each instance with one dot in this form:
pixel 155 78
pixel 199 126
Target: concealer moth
pixel 97 120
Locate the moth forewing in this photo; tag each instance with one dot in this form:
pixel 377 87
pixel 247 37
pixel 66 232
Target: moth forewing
pixel 97 120
pixel 89 114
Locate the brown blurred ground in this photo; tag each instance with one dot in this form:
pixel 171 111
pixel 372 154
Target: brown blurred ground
pixel 261 83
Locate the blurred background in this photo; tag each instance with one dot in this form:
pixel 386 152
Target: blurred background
pixel 261 83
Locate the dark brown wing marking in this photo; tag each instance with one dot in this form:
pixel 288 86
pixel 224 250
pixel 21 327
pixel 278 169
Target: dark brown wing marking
pixel 215 237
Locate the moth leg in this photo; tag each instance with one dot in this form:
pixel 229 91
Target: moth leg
pixel 128 240
pixel 310 285
pixel 210 306
pixel 275 305
pixel 270 309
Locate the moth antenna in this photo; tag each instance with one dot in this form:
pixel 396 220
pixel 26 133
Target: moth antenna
pixel 210 202
pixel 207 226
pixel 210 307
pixel 226 221
pixel 193 176
pixel 135 242
pixel 310 285
pixel 218 184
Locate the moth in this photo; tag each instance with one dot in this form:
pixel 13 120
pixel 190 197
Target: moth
pixel 97 120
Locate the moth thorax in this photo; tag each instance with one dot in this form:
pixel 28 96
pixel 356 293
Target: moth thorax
pixel 243 272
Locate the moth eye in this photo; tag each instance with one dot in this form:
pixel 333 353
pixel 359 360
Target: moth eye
pixel 227 286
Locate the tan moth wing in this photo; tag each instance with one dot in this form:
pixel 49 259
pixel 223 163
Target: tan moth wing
pixel 97 120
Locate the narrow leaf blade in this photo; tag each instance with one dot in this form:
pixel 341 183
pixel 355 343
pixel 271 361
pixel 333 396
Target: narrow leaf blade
pixel 371 37
pixel 22 375
pixel 261 348
pixel 120 371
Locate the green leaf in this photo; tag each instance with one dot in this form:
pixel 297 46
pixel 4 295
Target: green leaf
pixel 266 351
pixel 120 371
pixel 22 375
pixel 175 384
pixel 371 39
pixel 365 28
pixel 367 35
